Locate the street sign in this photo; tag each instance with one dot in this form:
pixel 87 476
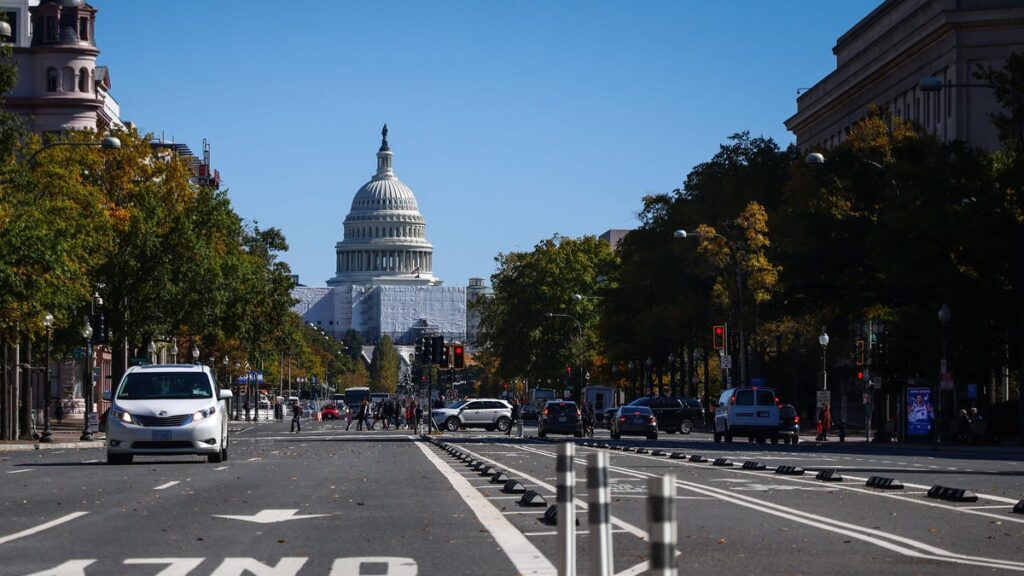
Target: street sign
pixel 94 422
pixel 946 381
pixel 726 362
pixel 823 396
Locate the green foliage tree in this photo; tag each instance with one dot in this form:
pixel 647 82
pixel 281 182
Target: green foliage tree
pixel 384 366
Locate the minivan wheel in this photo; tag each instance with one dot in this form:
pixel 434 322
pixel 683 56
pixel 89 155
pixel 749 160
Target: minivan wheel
pixel 718 437
pixel 504 424
pixel 728 438
pixel 685 427
pixel 452 424
pixel 215 458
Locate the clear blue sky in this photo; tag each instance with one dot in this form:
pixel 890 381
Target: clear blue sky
pixel 511 121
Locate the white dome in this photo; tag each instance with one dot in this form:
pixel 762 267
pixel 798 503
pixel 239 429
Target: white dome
pixel 385 234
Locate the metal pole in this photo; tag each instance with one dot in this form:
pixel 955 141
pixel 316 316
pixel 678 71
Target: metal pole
pixel 599 518
pixel 566 509
pixel 661 525
pixel 87 390
pixel 46 436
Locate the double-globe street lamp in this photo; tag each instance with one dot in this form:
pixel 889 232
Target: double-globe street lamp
pixel 733 248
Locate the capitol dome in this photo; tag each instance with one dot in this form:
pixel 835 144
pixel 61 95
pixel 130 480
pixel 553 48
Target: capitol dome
pixel 385 234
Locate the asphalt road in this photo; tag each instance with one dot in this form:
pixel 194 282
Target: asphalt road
pixel 330 501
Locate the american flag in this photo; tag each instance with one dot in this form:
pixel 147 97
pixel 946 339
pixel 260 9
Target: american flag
pixel 416 271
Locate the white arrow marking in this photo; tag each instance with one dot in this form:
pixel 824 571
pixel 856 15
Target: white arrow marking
pixel 271 516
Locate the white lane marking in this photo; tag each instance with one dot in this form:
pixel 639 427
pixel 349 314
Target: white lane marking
pixel 165 486
pixel 69 568
pixel 580 503
pixel 869 535
pixel 41 527
pixel 1002 506
pixel 178 566
pixel 578 532
pixel 523 554
pixel 89 461
pixel 514 512
pixel 19 471
pixel 253 459
pixel 220 468
pixel 503 497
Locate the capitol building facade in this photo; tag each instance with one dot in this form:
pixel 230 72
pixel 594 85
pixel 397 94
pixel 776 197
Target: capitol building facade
pixel 384 282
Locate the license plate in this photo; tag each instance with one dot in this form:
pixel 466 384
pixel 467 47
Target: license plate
pixel 637 420
pixel 762 414
pixel 161 435
pixel 563 419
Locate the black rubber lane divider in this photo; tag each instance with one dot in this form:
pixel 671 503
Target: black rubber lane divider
pixel 790 470
pixel 722 462
pixel 603 445
pixel 883 483
pixel 499 478
pixel 751 465
pixel 642 450
pixel 1019 508
pixel 513 487
pixel 487 471
pixel 551 516
pixel 677 456
pixel 952 494
pixel 829 476
pixel 698 458
pixel 532 498
pixel 658 452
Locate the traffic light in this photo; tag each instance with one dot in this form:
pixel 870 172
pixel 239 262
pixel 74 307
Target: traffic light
pixel 419 349
pixel 445 360
pixel 860 376
pixel 458 356
pixel 436 348
pixel 859 356
pixel 718 338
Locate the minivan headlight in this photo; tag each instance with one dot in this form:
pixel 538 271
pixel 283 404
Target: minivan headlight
pixel 201 414
pixel 123 416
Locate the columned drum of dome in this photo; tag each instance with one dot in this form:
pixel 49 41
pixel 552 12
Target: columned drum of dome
pixel 385 239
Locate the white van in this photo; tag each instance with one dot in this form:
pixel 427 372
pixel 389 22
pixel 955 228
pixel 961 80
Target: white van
pixel 747 411
pixel 167 409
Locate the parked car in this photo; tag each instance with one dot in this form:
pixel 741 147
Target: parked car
pixel 789 424
pixel 167 409
pixel 560 417
pixel 529 412
pixel 487 413
pixel 673 414
pixel 634 421
pixel 750 411
pixel 609 414
pixel 330 412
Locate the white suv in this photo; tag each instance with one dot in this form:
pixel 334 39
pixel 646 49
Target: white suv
pixel 748 411
pixel 167 409
pixel 487 413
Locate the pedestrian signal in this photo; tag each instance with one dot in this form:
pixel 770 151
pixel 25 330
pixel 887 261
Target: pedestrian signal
pixel 860 355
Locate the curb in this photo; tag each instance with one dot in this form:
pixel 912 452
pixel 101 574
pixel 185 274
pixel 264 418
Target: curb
pixel 51 446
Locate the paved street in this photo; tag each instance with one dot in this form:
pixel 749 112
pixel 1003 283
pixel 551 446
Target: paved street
pixel 330 501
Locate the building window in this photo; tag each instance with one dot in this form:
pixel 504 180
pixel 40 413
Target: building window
pixel 83 29
pixel 69 80
pixel 50 26
pixel 52 79
pixel 83 80
pixel 11 17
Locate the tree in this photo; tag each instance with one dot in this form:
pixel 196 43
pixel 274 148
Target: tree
pixel 384 367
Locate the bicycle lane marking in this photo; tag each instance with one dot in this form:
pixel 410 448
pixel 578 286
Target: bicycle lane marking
pixel 523 554
pixel 872 536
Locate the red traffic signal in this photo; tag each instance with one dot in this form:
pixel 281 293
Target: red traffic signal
pixel 458 356
pixel 718 338
pixel 860 375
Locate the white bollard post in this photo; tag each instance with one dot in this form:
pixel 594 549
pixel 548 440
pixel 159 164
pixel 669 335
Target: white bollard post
pixel 599 516
pixel 566 509
pixel 661 524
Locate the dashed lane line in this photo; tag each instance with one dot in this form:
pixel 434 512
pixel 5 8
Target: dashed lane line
pixel 19 471
pixel 167 485
pixel 41 527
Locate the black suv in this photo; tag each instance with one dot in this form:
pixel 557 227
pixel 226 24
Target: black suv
pixel 560 417
pixel 674 414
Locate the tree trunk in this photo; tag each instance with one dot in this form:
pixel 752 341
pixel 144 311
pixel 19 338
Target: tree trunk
pixel 5 390
pixel 25 413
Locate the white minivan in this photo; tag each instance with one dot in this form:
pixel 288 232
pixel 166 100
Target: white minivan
pixel 165 409
pixel 747 411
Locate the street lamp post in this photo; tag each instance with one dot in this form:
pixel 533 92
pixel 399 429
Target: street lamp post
pixel 579 327
pixel 174 351
pixel 152 352
pixel 733 247
pixel 87 379
pixel 823 340
pixel 945 315
pixel 238 389
pixel 47 436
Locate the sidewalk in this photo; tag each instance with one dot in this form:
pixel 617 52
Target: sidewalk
pixel 65 436
pixel 858 440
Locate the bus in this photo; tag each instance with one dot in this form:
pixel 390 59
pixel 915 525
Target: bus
pixel 540 396
pixel 355 396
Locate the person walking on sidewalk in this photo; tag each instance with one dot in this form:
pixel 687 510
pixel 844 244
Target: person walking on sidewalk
pixel 296 417
pixel 515 416
pixel 824 421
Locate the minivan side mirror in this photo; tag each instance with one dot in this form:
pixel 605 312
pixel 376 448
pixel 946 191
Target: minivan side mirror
pixel 107 395
pixel 225 394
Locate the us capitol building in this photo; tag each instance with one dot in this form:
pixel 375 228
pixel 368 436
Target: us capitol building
pixel 384 282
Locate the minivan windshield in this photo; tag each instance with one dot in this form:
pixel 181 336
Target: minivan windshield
pixel 165 386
